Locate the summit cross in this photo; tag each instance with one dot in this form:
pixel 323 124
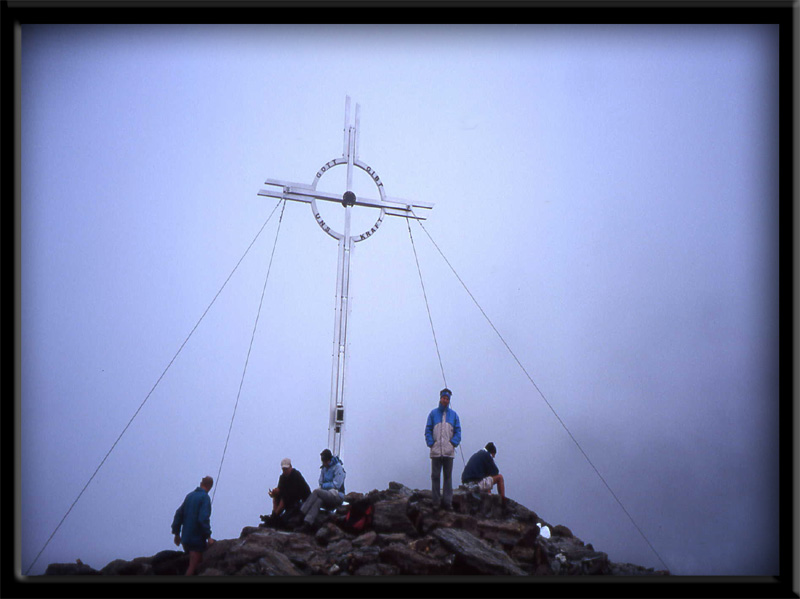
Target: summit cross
pixel 391 206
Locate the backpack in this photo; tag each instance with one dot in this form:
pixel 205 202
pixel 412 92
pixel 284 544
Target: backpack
pixel 359 517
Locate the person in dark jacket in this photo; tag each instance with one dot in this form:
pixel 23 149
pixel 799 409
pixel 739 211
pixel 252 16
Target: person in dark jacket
pixel 442 436
pixel 191 525
pixel 484 473
pixel 291 492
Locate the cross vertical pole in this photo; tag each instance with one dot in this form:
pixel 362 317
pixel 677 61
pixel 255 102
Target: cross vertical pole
pixel 391 206
pixel 343 299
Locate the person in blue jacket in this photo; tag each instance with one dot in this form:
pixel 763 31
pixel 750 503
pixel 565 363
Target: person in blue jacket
pixel 442 435
pixel 330 493
pixel 484 473
pixel 191 525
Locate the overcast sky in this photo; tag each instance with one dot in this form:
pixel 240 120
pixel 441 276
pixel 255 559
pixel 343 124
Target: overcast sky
pixel 608 195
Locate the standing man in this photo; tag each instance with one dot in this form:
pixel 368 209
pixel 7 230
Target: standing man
pixel 192 524
pixel 442 435
pixel 292 490
pixel 330 492
pixel 484 473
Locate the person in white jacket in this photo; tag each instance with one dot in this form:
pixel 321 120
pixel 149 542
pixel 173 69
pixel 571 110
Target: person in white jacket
pixel 442 435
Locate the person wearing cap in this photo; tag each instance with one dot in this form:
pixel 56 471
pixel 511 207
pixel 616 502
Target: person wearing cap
pixel 330 493
pixel 442 435
pixel 191 525
pixel 484 473
pixel 291 492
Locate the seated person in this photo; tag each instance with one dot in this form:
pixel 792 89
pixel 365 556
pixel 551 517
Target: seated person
pixel 291 492
pixel 483 472
pixel 330 493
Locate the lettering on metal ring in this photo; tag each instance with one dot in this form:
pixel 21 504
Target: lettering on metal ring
pixel 363 236
pixel 325 167
pixel 373 175
pixel 321 222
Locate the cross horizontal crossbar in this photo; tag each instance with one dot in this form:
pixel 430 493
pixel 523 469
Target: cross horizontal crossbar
pixel 300 192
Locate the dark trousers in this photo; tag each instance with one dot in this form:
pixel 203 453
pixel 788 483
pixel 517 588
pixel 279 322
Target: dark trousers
pixel 439 465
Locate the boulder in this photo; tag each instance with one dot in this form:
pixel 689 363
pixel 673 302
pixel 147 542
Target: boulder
pixel 476 556
pixel 120 567
pixel 366 539
pixel 561 531
pixel 502 533
pixel 271 563
pixel 360 557
pixel 391 517
pixel 408 561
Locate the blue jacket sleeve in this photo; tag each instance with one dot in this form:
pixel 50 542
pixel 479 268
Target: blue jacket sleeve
pixel 429 430
pixel 491 467
pixel 177 521
pixel 204 516
pixel 456 440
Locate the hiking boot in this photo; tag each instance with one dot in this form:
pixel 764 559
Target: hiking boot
pixel 305 528
pixel 268 521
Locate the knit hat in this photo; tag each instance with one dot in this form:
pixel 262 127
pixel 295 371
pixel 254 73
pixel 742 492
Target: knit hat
pixel 286 463
pixel 326 454
pixel 446 392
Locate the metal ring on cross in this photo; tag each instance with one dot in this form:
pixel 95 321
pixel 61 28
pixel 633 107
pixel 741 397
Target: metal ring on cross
pixel 348 198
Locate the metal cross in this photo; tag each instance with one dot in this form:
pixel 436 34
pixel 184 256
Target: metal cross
pixel 300 192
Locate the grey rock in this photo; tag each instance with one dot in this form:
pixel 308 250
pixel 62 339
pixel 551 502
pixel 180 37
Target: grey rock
pixel 409 561
pixel 401 489
pixel 271 564
pixel 366 539
pixel 477 555
pixel 390 538
pixel 357 559
pixel 75 569
pixel 170 563
pixel 562 531
pixel 377 570
pixel 391 517
pixel 166 556
pixel 340 547
pixel 120 567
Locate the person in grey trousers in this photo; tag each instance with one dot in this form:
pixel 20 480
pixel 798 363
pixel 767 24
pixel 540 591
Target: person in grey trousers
pixel 442 435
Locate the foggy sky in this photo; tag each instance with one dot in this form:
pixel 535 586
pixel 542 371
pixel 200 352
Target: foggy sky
pixel 608 195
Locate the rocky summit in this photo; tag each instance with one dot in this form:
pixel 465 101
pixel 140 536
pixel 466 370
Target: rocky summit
pixel 407 536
